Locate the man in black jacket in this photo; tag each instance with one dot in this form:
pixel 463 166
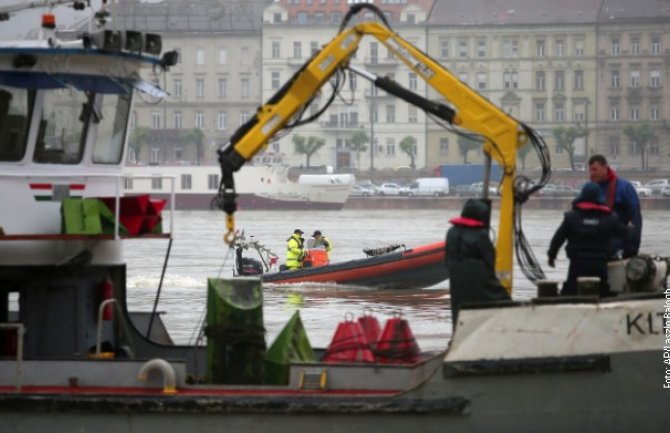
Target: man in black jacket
pixel 587 228
pixel 470 259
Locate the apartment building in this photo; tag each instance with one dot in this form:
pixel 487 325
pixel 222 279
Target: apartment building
pixel 294 29
pixel 633 60
pixel 214 88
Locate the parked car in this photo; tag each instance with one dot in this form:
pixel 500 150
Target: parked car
pixel 389 189
pixel 478 188
pixel 657 185
pixel 359 190
pixel 435 186
pixel 665 192
pixel 374 189
pixel 558 190
pixel 464 191
pixel 642 191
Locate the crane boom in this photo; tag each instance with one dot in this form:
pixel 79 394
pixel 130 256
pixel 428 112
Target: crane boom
pixel 466 109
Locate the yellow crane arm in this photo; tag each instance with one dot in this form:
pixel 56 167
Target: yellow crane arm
pixel 467 109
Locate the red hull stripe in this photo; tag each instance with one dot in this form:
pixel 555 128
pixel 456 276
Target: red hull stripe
pixel 40 186
pixel 77 186
pixel 121 391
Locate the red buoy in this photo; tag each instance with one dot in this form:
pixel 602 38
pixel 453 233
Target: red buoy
pixel 397 344
pixel 371 328
pixel 349 344
pixel 107 293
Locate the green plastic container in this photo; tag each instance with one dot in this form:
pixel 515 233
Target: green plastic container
pixel 291 345
pixel 235 333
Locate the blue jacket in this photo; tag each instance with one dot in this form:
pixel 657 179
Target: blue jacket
pixel 627 208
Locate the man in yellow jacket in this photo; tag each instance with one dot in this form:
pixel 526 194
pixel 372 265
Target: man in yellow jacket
pixel 295 251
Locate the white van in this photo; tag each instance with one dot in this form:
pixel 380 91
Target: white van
pixel 435 186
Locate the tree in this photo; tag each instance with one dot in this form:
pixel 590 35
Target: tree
pixel 466 144
pixel 197 137
pixel 307 147
pixel 137 139
pixel 408 146
pixel 565 139
pixel 357 145
pixel 640 134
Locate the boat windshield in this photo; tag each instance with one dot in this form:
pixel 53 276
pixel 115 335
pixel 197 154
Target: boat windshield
pixel 14 108
pixel 112 120
pixel 62 126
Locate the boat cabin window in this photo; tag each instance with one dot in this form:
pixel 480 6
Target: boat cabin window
pixel 62 129
pixel 14 109
pixel 114 112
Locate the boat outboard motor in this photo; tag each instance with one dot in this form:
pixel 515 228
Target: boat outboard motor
pixel 248 266
pixel 645 273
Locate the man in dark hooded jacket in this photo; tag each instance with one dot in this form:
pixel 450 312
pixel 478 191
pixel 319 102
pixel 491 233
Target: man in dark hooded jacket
pixel 470 259
pixel 588 228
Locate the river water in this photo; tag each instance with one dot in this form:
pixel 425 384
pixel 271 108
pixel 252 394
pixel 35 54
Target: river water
pixel 198 253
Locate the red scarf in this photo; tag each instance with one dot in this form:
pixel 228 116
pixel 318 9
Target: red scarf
pixel 585 205
pixel 611 180
pixel 467 222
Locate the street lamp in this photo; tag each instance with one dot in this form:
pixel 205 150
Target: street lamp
pixel 372 127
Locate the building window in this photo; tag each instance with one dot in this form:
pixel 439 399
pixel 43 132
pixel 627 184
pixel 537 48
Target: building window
pixel 614 112
pixel 177 119
pixel 463 48
pixel 200 88
pixel 578 82
pixel 374 52
pixel 510 48
pixel 177 87
pixel 313 47
pixel 413 83
pixel 276 17
pixel 390 146
pixel 578 116
pixel 655 79
pixel 481 80
pixel 200 56
pixel 579 48
pixel 319 18
pixel 481 48
pixel 353 82
pixel 634 113
pixel 411 19
pixel 444 146
pixel 156 182
pixel 559 80
pixel 412 114
pixel 615 79
pixel 511 80
pixel 223 58
pixel 560 48
pixel 616 47
pixel 244 117
pixel 244 56
pixel 539 111
pixel 155 154
pixel 539 48
pixel 336 17
pixel 223 85
pixel 654 113
pixel 614 145
pixel 186 181
pixel 444 48
pixel 634 78
pixel 199 119
pixel 221 121
pixel 244 88
pixel 276 53
pixel 155 120
pixel 539 80
pixel 635 46
pixel 178 153
pixel 302 18
pixel 655 45
pixel 390 114
pixel 297 50
pixel 559 112
pixel 275 80
pixel 213 181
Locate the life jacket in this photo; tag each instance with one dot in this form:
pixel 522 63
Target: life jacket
pixel 294 252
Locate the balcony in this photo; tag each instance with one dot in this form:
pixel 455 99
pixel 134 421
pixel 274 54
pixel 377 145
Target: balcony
pixel 331 126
